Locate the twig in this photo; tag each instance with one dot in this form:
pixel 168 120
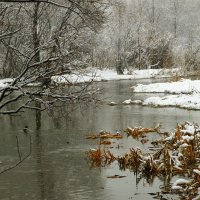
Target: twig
pixel 22 160
pixel 19 154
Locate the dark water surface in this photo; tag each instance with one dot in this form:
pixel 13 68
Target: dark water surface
pixel 57 167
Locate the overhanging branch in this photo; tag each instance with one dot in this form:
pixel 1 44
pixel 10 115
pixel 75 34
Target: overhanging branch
pixel 34 1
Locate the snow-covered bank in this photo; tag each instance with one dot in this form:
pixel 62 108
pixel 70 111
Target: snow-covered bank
pixel 187 94
pixel 182 101
pixel 93 74
pixel 184 86
pixel 109 74
pixel 5 82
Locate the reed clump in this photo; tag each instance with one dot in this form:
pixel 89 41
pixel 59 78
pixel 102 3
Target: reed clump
pixel 175 153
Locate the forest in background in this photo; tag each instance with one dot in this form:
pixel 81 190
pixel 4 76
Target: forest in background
pixel 43 39
pixel 135 34
pixel 40 39
pixel 141 34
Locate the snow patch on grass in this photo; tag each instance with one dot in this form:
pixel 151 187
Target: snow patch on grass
pixel 183 101
pixel 5 82
pixel 92 74
pixel 184 86
pixel 186 94
pixel 109 74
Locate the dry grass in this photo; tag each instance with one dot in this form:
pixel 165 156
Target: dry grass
pixel 174 153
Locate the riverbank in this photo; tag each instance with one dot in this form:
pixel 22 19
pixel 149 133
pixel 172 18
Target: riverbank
pixel 110 74
pixel 184 94
pixel 63 141
pixel 91 74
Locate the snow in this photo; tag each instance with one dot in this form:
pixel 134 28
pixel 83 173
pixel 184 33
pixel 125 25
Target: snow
pixel 189 128
pixel 184 145
pixel 92 74
pixel 183 101
pixel 196 171
pixel 187 91
pixel 188 138
pixel 186 94
pixel 75 78
pixel 112 103
pixel 155 73
pixel 168 138
pixel 127 102
pixel 93 149
pixel 5 82
pixel 184 86
pixel 176 187
pixel 177 166
pixel 111 74
pixel 190 99
pixel 137 102
pixel 181 181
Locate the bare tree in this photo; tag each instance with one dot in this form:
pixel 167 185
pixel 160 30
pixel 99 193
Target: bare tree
pixel 175 17
pixel 46 42
pixel 120 10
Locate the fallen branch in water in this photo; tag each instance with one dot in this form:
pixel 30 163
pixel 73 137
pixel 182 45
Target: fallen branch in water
pixel 105 135
pixel 21 160
pixel 116 176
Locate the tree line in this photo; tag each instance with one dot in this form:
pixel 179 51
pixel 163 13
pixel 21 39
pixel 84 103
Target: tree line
pixel 43 38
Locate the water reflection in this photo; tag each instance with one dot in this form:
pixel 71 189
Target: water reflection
pixel 57 168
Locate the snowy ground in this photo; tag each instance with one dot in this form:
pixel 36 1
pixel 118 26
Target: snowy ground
pixel 92 74
pixel 108 75
pixel 191 101
pixel 187 94
pixel 187 91
pixel 5 82
pixel 184 86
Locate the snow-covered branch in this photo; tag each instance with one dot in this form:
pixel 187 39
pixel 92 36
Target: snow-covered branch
pixel 46 41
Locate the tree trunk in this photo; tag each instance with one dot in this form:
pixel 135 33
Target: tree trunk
pixel 36 40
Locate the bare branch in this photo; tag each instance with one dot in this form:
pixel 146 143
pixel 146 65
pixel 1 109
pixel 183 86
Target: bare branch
pixel 47 50
pixel 5 35
pixel 34 1
pixel 21 159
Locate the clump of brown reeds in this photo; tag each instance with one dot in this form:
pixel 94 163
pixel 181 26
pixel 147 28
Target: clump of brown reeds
pixel 139 132
pixel 100 157
pixel 131 160
pixel 175 153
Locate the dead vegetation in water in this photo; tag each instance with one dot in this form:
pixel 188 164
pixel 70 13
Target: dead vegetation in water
pixel 100 157
pixel 116 176
pixel 141 132
pixel 105 135
pixel 175 153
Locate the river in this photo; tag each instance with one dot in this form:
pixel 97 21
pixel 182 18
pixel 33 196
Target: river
pixel 58 167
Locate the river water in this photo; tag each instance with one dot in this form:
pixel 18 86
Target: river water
pixel 58 168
